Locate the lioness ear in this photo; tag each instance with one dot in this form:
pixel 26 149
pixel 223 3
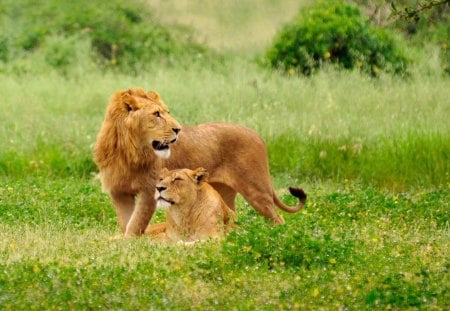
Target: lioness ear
pixel 164 170
pixel 129 101
pixel 201 175
pixel 162 174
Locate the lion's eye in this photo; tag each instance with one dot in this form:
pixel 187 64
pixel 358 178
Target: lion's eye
pixel 177 179
pixel 157 114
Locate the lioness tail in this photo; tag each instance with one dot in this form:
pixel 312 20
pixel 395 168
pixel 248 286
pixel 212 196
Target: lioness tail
pixel 296 192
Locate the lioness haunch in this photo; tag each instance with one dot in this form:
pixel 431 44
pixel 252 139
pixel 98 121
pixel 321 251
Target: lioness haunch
pixel 195 211
pixel 139 136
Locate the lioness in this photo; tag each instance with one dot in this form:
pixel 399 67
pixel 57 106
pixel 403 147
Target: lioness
pixel 195 211
pixel 137 138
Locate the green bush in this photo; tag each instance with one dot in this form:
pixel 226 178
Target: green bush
pixel 123 34
pixel 332 31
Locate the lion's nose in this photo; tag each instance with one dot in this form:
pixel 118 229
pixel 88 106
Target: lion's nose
pixel 176 130
pixel 161 189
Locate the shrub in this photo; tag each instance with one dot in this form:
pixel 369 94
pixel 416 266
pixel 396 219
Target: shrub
pixel 332 31
pixel 123 34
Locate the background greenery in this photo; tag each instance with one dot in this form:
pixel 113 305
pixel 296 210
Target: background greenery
pixel 335 32
pixel 372 154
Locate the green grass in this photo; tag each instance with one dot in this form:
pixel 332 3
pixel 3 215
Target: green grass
pixel 372 154
pixel 384 132
pixel 374 233
pixel 353 246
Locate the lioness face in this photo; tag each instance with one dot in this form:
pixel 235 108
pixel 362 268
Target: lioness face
pixel 179 187
pixel 150 119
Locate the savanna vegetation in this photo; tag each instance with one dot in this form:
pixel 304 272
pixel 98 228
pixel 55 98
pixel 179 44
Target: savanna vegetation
pixel 371 150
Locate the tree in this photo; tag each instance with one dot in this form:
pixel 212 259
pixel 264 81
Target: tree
pixel 414 11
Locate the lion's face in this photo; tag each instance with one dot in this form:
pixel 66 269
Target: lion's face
pixel 148 118
pixel 179 187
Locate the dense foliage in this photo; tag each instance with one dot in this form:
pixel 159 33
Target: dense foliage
pixel 429 25
pixel 332 31
pixel 419 21
pixel 111 33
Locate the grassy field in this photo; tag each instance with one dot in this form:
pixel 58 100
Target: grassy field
pixel 372 154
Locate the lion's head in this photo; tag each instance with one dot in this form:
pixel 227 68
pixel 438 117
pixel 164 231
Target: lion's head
pixel 136 120
pixel 179 187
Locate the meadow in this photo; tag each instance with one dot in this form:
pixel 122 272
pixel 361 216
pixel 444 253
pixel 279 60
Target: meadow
pixel 372 155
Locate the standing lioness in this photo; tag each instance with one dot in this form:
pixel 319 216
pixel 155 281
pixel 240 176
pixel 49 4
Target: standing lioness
pixel 137 139
pixel 195 211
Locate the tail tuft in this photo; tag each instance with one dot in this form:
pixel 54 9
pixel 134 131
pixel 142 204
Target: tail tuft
pixel 298 193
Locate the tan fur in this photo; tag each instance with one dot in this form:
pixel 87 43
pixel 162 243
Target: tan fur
pixel 195 211
pixel 125 157
pixel 235 157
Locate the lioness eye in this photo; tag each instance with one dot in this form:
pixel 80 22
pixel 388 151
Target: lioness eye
pixel 177 179
pixel 157 114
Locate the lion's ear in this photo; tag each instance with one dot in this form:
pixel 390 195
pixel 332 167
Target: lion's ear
pixel 128 101
pixel 200 175
pixel 153 95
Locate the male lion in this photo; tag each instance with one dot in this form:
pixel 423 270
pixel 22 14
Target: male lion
pixel 195 211
pixel 135 142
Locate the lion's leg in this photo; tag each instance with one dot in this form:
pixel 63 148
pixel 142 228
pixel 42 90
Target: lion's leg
pixel 124 205
pixel 142 214
pixel 228 194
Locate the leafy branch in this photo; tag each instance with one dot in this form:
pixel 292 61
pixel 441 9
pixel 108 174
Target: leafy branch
pixel 414 12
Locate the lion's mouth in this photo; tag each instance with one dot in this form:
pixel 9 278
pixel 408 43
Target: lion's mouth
pixel 159 146
pixel 162 148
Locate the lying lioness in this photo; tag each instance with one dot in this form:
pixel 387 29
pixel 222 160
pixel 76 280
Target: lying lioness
pixel 195 211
